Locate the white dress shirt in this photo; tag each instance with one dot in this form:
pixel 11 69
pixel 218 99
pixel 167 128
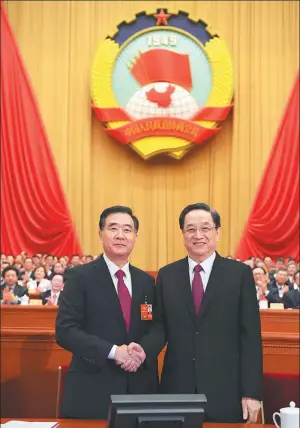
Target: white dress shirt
pixel 55 300
pixel 113 269
pixel 280 290
pixel 207 265
pixel 257 292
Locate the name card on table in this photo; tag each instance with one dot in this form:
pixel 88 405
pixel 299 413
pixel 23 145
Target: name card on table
pixel 35 302
pixel 276 306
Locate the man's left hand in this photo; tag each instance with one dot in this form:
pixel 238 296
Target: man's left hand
pixel 251 409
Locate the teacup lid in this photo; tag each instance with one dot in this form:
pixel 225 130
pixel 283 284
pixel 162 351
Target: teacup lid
pixel 291 410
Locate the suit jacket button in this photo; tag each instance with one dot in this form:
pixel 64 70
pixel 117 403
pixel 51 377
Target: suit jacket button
pixel 197 332
pixel 194 359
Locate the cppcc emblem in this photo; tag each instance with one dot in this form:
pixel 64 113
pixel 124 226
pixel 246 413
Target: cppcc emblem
pixel 162 83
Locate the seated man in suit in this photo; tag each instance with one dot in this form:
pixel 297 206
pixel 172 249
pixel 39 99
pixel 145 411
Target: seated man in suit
pixel 261 282
pixel 291 299
pixel 279 263
pixel 28 267
pixel 260 279
pixel 99 314
pixel 52 297
pixel 207 311
pixel 278 287
pixel 11 291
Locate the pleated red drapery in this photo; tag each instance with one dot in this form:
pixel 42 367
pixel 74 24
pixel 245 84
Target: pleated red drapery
pixel 34 212
pixel 273 225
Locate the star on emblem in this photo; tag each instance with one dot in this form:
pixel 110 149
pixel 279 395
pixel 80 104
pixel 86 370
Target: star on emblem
pixel 162 17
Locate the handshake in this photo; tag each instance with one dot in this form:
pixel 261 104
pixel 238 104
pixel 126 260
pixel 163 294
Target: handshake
pixel 130 357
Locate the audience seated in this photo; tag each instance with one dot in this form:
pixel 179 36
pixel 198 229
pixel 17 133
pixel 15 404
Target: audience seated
pixel 279 285
pixel 36 260
pixel 261 279
pixel 11 291
pixel 291 299
pixel 291 270
pixel 279 263
pixel 275 281
pixel 51 296
pixel 269 263
pixel 28 267
pixel 40 281
pixel 48 262
pixel 58 268
pixel 75 261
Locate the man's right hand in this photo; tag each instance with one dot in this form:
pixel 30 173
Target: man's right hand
pixel 262 287
pixel 128 357
pixel 134 349
pixel 286 289
pixel 8 297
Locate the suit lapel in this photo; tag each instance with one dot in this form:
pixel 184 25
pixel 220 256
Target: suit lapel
pixel 137 297
pixel 214 279
pixel 17 290
pixel 109 292
pixel 183 279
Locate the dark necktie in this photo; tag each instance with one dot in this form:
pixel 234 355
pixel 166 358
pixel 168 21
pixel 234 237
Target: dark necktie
pixel 197 288
pixel 125 298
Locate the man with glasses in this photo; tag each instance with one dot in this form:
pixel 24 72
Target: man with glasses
pixel 261 282
pixel 207 313
pixel 99 315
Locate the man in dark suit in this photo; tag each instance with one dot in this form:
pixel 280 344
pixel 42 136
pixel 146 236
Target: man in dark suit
pixel 291 299
pixel 206 310
pixel 11 291
pixel 52 297
pixel 99 314
pixel 278 287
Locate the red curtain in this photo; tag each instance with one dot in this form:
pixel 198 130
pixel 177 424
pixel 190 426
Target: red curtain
pixel 34 212
pixel 273 225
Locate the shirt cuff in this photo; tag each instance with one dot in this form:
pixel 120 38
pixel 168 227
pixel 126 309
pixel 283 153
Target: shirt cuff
pixel 111 355
pixel 266 293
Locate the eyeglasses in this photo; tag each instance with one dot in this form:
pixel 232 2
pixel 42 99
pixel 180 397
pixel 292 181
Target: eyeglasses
pixel 204 229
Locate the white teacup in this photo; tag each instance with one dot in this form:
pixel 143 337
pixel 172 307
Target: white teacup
pixel 289 417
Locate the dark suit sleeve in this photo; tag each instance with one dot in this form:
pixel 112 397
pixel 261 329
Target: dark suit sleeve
pixel 291 299
pixel 273 296
pixel 250 340
pixel 20 291
pixel 44 296
pixel 287 301
pixel 155 340
pixel 70 333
